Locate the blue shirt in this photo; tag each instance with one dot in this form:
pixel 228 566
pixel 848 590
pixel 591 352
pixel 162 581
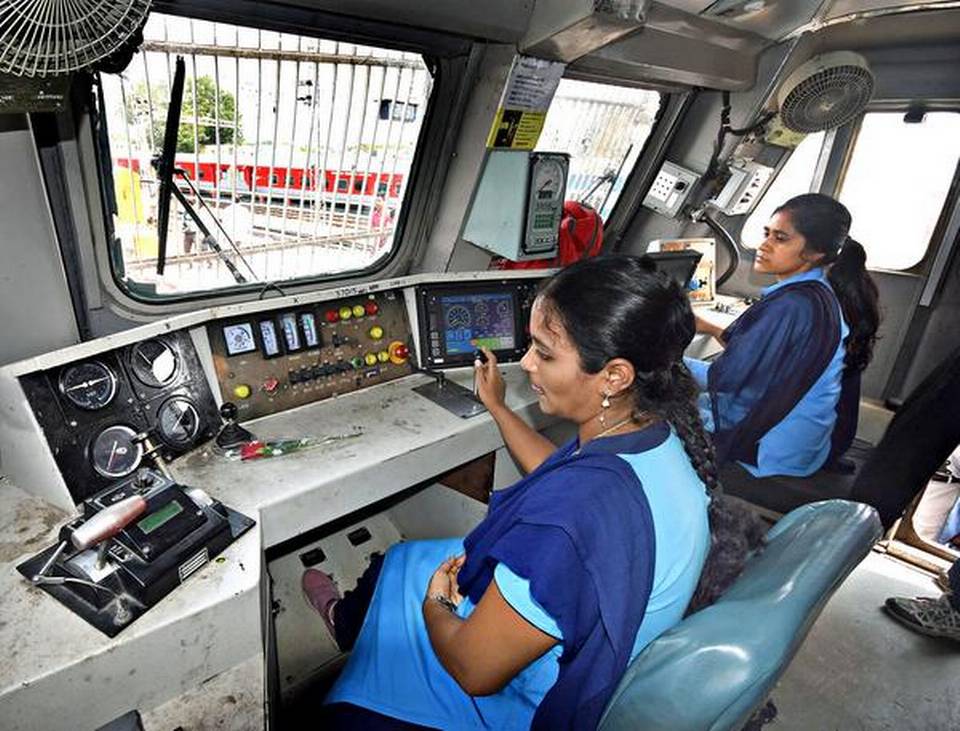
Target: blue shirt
pixel 393 669
pixel 800 443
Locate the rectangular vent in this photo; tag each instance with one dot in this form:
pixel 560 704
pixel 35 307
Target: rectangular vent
pixel 193 563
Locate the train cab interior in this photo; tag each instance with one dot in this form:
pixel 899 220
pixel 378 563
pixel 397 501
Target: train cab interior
pixel 250 250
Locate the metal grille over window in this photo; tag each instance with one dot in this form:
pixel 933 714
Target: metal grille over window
pixel 300 149
pixel 603 128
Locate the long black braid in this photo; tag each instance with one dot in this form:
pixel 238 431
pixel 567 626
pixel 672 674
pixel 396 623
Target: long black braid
pixel 619 306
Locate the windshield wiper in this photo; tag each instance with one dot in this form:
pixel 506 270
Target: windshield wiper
pixel 166 169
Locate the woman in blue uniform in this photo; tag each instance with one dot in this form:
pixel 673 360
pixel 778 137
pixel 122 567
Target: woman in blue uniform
pixel 782 398
pixel 534 616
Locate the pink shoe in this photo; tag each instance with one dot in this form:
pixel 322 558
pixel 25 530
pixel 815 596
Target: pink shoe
pixel 321 592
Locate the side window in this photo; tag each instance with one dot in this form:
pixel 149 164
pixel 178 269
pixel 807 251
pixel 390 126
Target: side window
pixel 794 178
pixel 896 184
pixel 269 121
pixel 603 128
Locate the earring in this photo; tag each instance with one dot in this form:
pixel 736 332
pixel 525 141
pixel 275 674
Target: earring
pixel 604 405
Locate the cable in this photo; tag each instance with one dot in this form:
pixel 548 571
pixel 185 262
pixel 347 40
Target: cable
pixel 728 241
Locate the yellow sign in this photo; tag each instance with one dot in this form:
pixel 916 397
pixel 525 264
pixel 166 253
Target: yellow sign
pixel 516 130
pixel 523 106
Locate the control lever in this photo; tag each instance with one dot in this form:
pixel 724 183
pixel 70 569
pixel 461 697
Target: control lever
pixel 231 434
pixel 151 451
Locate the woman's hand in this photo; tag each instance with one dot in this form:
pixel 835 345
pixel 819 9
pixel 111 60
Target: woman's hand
pixel 490 385
pixel 444 580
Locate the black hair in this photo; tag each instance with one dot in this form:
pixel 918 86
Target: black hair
pixel 825 224
pixel 621 307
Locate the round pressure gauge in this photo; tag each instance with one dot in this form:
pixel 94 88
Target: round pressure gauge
pixel 548 179
pixel 178 422
pixel 114 453
pixel 89 385
pixel 154 363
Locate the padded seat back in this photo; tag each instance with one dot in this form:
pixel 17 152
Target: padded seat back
pixel 718 665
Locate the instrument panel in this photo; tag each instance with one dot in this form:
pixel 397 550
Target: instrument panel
pixel 273 361
pixel 92 411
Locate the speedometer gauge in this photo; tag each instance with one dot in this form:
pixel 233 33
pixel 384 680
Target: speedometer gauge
pixel 114 453
pixel 89 385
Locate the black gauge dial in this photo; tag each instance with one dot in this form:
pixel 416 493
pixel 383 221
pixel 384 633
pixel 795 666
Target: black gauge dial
pixel 114 453
pixel 154 363
pixel 178 422
pixel 89 385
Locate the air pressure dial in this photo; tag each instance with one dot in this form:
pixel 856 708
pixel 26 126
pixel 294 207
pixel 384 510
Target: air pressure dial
pixel 89 386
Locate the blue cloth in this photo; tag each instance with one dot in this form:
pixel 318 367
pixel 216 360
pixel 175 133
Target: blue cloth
pixel 393 669
pixel 772 398
pixel 678 502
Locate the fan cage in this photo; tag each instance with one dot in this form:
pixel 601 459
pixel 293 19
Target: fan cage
pixel 53 37
pixel 827 99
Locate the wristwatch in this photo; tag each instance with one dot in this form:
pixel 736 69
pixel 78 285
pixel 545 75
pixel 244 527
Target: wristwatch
pixel 444 602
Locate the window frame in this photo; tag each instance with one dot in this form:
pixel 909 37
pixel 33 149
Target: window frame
pixel 448 61
pixel 673 104
pixel 840 160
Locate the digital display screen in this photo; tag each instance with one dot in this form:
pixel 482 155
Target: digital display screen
pixel 160 517
pixel 477 319
pixel 239 338
pixel 268 334
pixel 291 334
pixel 309 325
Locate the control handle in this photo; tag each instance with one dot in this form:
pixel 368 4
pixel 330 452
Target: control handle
pixel 108 522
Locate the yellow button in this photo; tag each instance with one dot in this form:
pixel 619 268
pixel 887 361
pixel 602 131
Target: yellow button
pixel 376 332
pixel 370 359
pixel 383 356
pixel 359 311
pixel 241 391
pixel 345 313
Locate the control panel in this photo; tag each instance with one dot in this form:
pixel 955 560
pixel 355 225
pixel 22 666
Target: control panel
pixel 457 319
pixel 273 361
pixel 96 412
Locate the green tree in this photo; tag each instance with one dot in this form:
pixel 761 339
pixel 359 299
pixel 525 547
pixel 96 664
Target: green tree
pixel 138 112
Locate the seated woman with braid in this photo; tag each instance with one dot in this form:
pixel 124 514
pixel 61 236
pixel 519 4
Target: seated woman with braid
pixel 532 619
pixel 783 397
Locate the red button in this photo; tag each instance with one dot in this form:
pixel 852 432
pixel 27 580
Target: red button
pixel 371 307
pixel 331 316
pixel 271 385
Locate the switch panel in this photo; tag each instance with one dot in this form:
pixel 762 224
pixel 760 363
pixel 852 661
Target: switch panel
pixel 273 361
pixel 670 189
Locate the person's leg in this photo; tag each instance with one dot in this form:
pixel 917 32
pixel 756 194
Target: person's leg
pixel 343 615
pixel 937 617
pixel 953 575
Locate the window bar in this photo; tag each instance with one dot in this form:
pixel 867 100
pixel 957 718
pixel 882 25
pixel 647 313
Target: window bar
pixel 196 145
pixel 306 161
pixel 256 147
pixel 146 76
pixel 396 155
pixel 326 153
pixel 343 148
pixel 133 189
pixel 320 191
pixel 386 148
pixel 351 193
pixel 216 131
pixel 368 168
pixel 293 143
pixel 236 137
pixel 273 161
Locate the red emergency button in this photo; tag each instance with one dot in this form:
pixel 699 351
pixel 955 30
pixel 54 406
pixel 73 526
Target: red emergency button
pixel 399 352
pixel 331 316
pixel 371 307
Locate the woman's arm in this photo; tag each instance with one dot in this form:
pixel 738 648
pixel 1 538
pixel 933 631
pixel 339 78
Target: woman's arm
pixel 526 445
pixel 485 651
pixel 709 328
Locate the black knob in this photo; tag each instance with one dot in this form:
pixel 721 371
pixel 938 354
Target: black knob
pixel 144 478
pixel 228 411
